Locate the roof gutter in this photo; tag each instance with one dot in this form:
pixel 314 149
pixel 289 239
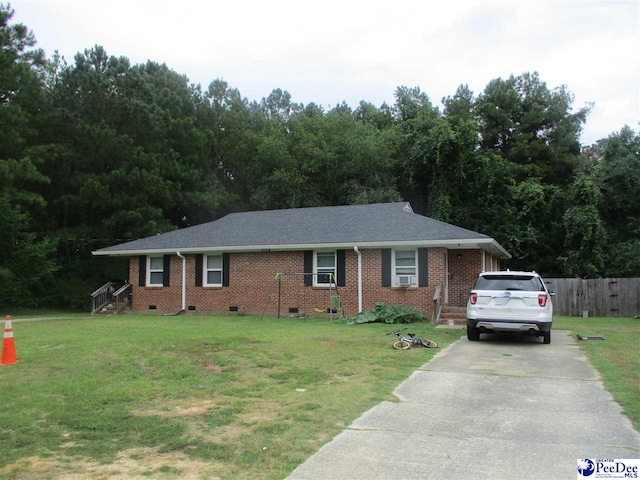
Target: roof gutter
pixel 355 249
pixel 488 244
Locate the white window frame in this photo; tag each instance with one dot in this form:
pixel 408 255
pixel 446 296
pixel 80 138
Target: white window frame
pixel 394 268
pixel 155 270
pixel 318 271
pixel 206 270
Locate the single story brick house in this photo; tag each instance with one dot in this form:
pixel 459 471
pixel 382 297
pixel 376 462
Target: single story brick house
pixel 377 252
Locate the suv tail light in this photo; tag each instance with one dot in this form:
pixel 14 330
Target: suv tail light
pixel 542 299
pixel 473 298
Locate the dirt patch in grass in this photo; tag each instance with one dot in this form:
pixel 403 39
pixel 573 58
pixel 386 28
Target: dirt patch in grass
pixel 211 367
pixel 137 463
pixel 188 407
pixel 194 411
pixel 228 433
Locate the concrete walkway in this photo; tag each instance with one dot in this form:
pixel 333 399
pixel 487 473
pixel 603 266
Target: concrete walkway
pixel 500 408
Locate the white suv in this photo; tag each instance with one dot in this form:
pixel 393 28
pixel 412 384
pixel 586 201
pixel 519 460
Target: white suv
pixel 516 302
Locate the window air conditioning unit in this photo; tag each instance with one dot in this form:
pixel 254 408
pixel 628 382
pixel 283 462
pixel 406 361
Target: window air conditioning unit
pixel 405 280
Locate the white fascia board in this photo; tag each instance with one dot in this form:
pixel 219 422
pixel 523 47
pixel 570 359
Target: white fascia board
pixel 488 244
pixel 130 253
pixel 495 248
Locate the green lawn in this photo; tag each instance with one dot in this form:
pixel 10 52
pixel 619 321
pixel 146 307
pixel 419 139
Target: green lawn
pixel 617 358
pixel 226 397
pixel 201 396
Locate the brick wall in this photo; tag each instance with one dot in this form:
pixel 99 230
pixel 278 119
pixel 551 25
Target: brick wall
pixel 164 299
pixel 420 298
pixel 464 267
pixel 253 288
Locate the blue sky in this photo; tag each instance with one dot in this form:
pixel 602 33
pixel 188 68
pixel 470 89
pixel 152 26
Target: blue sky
pixel 333 51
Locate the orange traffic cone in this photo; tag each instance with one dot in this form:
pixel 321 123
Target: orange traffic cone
pixel 8 346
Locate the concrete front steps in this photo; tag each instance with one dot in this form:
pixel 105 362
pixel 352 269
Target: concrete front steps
pixel 455 316
pixel 110 309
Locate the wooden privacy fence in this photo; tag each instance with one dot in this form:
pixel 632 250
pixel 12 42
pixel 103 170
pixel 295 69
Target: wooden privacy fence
pixel 600 297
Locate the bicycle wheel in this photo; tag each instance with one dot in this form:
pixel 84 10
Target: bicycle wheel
pixel 401 345
pixel 428 343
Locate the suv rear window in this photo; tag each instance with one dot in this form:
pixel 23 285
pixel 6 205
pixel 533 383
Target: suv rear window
pixel 527 283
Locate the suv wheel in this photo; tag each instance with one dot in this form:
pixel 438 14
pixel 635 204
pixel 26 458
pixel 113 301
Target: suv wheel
pixel 473 334
pixel 546 337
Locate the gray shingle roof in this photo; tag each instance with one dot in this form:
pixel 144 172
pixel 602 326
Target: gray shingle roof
pixel 342 226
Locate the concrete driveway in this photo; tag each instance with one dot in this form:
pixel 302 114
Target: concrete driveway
pixel 501 408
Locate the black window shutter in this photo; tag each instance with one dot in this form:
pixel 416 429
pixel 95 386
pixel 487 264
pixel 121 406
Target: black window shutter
pixel 341 264
pixel 308 267
pixel 225 269
pixel 166 270
pixel 142 271
pixel 199 259
pixel 423 267
pixel 386 267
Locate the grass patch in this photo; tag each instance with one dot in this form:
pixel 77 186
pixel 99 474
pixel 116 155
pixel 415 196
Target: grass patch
pixel 617 358
pixel 189 396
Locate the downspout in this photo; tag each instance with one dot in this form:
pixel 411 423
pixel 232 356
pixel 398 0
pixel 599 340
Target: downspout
pixel 355 249
pixel 184 281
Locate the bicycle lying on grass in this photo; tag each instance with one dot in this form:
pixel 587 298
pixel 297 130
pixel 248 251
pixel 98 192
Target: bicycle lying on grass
pixel 410 340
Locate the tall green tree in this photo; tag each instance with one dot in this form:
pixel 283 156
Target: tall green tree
pixel 532 126
pixel 617 172
pixel 318 158
pixel 415 118
pixel 232 127
pixel 129 153
pixel 21 77
pixel 27 258
pixel 535 131
pixel 585 237
pixel 139 152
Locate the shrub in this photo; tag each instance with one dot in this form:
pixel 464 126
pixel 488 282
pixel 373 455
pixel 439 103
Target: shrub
pixel 385 313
